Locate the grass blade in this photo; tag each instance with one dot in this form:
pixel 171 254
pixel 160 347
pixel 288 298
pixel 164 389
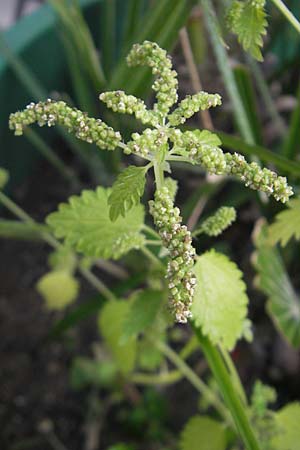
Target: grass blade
pixel 246 90
pixel 226 71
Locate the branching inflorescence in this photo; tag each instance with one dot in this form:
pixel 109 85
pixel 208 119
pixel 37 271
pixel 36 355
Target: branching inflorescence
pixel 161 143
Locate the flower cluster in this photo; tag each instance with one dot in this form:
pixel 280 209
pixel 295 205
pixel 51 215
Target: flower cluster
pixel 147 143
pixel 177 239
pixel 122 103
pixel 191 104
pixel 202 147
pixel 51 113
pixel 165 84
pixel 253 176
pixel 216 224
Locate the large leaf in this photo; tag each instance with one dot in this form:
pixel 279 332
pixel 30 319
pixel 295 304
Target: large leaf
pixel 142 312
pixel 111 323
pixel 203 433
pixel 220 301
pixel 85 225
pixel 286 224
pixel 126 191
pixel 287 420
pixel 283 302
pixel 247 19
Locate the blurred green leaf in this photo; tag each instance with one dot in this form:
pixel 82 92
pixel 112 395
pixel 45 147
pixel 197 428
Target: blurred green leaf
pixel 111 322
pixel 283 303
pixel 203 433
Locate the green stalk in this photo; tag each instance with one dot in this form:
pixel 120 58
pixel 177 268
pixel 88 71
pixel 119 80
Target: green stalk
pixel 13 229
pixel 288 14
pixel 228 391
pixel 190 375
pixel 224 67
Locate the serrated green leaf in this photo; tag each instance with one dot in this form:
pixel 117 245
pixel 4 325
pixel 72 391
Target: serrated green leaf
pixel 203 433
pixel 247 19
pixel 4 177
pixel 142 312
pixel 111 323
pixel 59 288
pixel 85 225
pixel 220 301
pixel 288 420
pixel 283 302
pixel 126 191
pixel 286 225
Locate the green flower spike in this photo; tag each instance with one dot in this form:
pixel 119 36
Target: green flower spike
pixel 59 113
pixel 177 239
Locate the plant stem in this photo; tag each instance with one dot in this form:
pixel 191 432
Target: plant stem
pixel 15 229
pixel 234 374
pixel 226 387
pixel 159 174
pixel 288 14
pixel 15 209
pixel 193 379
pixel 97 283
pixel 162 378
pixel 112 268
pixel 224 67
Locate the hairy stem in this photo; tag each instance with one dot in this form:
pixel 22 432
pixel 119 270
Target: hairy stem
pixel 231 397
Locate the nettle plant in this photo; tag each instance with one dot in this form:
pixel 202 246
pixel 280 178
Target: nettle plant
pixel 207 290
